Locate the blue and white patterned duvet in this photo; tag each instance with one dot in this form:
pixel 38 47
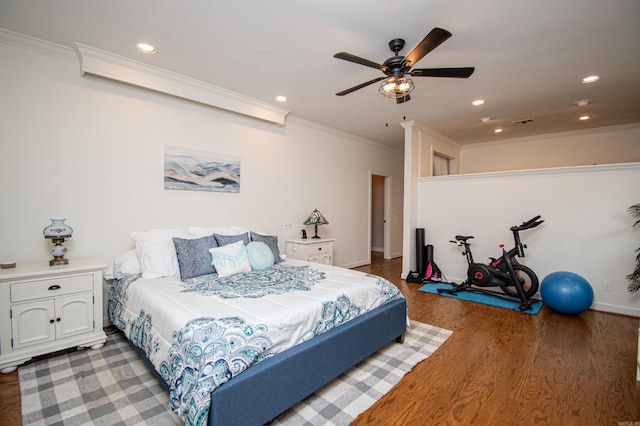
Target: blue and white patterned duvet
pixel 202 332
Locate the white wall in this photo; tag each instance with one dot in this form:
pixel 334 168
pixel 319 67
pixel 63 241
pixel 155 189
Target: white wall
pixel 587 228
pixel 590 233
pixel 605 145
pixel 420 144
pixel 91 150
pixel 432 143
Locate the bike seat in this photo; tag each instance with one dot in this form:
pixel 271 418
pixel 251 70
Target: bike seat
pixel 463 238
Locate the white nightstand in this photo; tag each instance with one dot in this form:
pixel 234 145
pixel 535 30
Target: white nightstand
pixel 46 308
pixel 318 250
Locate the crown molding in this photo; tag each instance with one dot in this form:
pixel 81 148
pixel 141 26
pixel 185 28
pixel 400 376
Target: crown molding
pixel 293 118
pixel 36 44
pixel 108 65
pixel 424 129
pixel 565 134
pixel 508 174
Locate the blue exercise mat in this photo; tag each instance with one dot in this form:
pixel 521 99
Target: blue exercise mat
pixel 499 300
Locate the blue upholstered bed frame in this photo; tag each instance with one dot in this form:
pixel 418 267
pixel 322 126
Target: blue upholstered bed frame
pixel 275 384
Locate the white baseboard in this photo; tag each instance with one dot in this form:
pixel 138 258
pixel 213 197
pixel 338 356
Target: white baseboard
pixel 367 262
pixel 355 264
pixel 596 306
pixel 615 309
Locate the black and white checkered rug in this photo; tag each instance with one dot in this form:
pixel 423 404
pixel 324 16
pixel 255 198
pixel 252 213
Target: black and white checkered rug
pixel 112 386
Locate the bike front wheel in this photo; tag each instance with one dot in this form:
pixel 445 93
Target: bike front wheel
pixel 528 281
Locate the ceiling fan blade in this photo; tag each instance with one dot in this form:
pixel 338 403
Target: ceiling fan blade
pixel 432 40
pixel 405 98
pixel 359 86
pixel 358 60
pixel 462 72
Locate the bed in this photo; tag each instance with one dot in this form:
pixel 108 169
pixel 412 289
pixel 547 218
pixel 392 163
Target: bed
pixel 245 342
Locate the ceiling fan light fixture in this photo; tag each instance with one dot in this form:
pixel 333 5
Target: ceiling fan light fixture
pixel 396 87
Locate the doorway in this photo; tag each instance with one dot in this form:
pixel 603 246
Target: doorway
pixel 379 212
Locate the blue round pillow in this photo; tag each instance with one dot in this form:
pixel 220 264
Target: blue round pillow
pixel 260 256
pixel 566 292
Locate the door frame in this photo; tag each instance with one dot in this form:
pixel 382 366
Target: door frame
pixel 386 214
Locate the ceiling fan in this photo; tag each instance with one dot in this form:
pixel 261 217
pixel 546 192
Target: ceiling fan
pixel 395 84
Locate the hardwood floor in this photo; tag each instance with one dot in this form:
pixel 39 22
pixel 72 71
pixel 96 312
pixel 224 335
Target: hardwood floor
pixel 503 367
pixel 10 409
pixel 499 367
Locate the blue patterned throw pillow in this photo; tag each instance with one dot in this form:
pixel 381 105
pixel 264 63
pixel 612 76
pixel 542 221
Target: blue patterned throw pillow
pixel 260 256
pixel 271 241
pixel 193 256
pixel 223 240
pixel 230 259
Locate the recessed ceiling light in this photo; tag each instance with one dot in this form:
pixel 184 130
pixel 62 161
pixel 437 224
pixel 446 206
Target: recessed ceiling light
pixel 146 48
pixel 498 130
pixel 591 79
pixel 584 117
pixel 281 98
pixel 486 119
pixel 583 102
pixel 477 102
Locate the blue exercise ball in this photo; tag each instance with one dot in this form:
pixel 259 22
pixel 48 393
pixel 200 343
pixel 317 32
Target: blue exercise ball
pixel 566 292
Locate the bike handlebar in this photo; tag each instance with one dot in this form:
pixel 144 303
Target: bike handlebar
pixel 531 223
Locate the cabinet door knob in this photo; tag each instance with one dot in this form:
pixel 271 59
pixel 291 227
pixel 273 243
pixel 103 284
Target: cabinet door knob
pixel 58 319
pixel 51 321
pixel 54 287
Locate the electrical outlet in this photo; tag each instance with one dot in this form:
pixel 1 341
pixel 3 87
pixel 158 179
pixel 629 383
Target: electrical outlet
pixel 607 286
pixel 286 226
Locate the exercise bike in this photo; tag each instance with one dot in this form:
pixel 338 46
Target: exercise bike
pixel 514 279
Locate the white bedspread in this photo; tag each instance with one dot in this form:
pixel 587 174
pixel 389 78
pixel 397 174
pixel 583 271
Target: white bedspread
pixel 200 333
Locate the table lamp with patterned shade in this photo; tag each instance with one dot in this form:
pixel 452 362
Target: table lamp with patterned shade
pixel 316 218
pixel 57 232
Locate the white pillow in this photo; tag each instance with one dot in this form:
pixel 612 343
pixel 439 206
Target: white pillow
pixel 198 232
pixel 124 264
pixel 230 259
pixel 156 252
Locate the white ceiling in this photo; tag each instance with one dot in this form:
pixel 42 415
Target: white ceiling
pixel 529 56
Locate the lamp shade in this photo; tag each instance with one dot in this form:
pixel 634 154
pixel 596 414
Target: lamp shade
pixel 58 229
pixel 316 218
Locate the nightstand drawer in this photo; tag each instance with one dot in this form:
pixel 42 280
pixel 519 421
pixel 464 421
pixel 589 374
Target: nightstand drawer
pixel 53 287
pixel 319 248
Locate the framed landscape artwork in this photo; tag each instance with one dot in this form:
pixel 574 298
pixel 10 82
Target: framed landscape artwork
pixel 196 170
